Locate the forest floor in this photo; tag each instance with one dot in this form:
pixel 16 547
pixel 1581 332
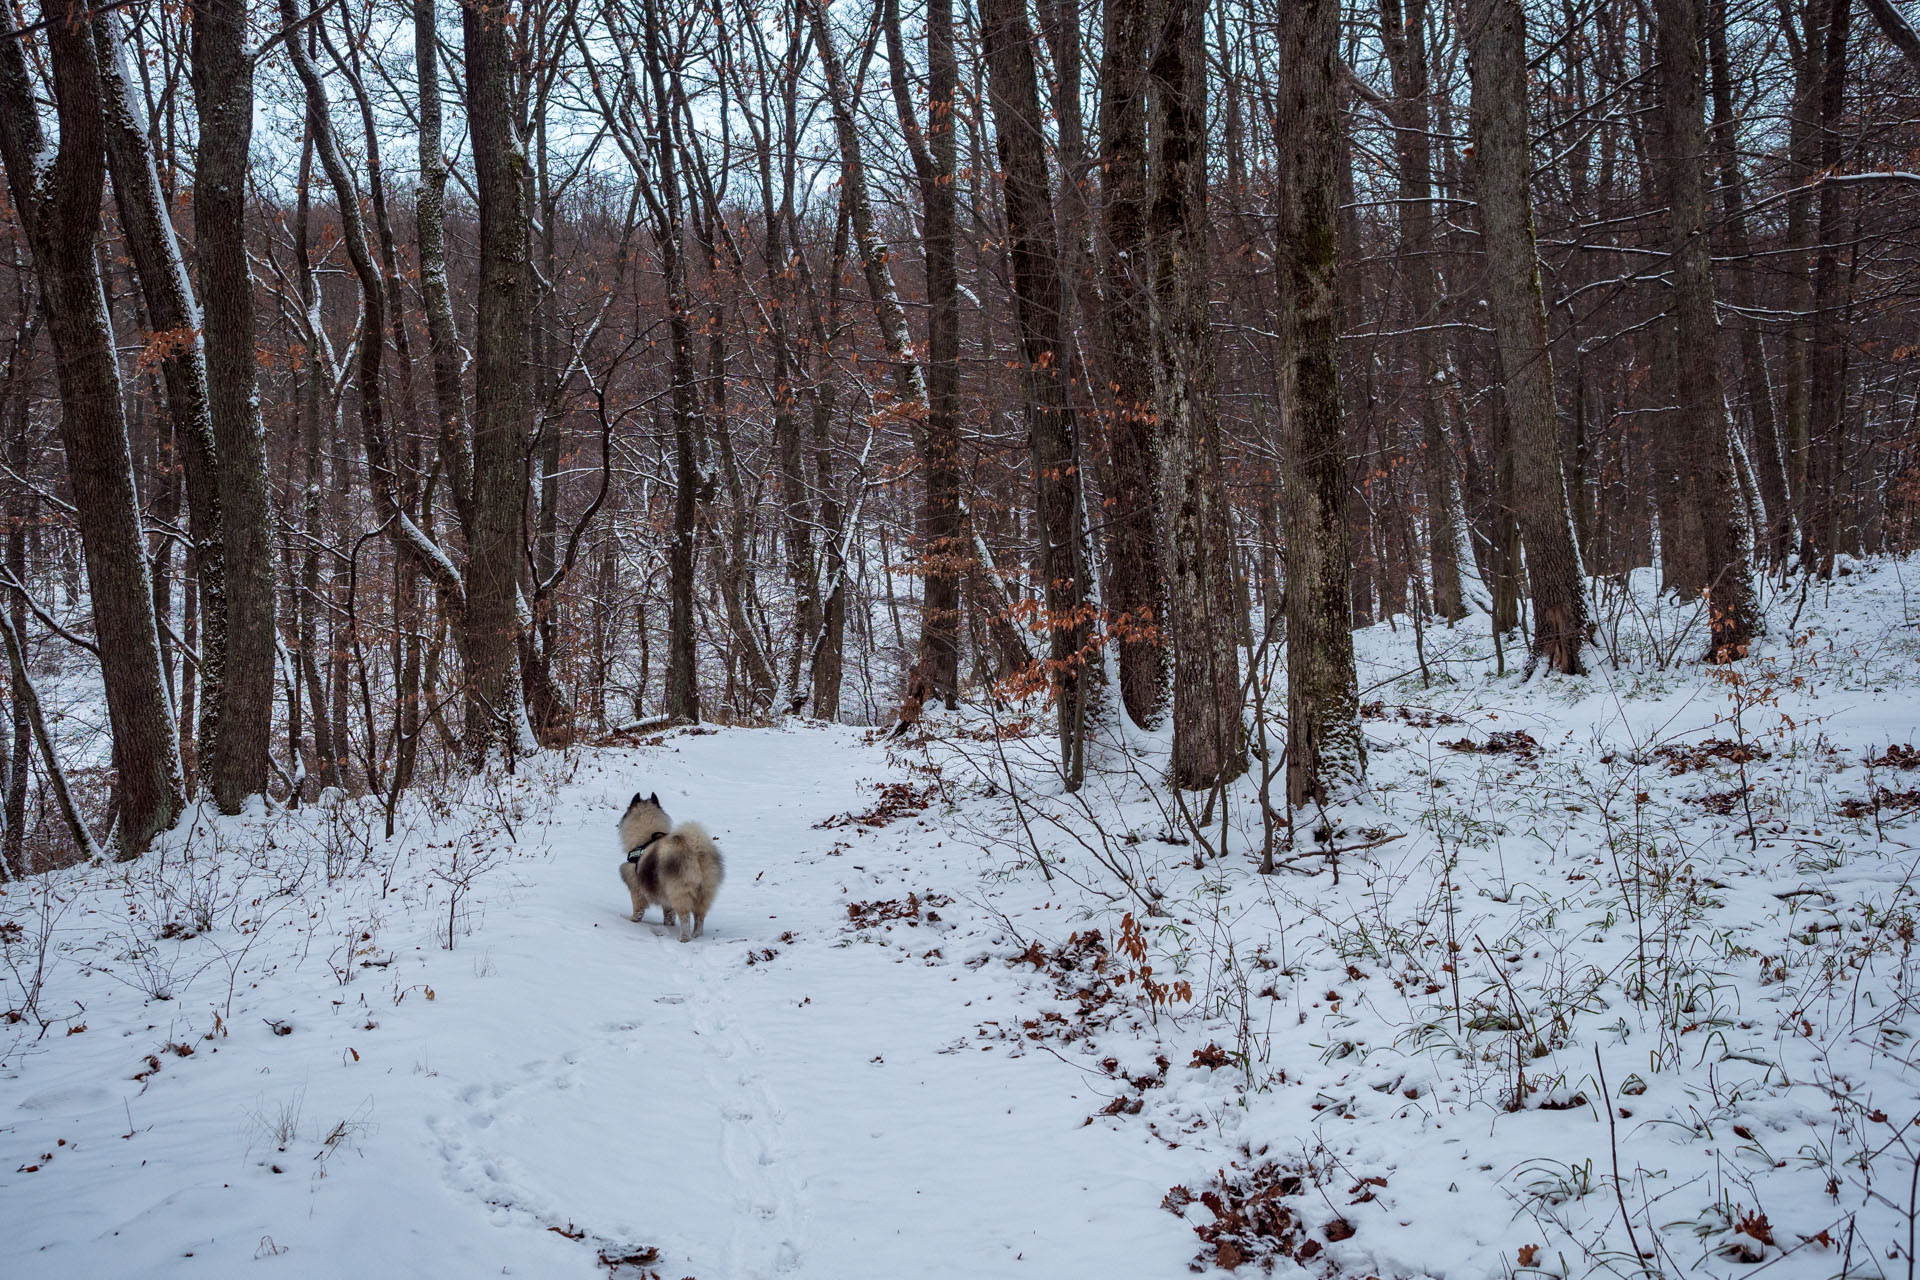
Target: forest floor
pixel 1627 971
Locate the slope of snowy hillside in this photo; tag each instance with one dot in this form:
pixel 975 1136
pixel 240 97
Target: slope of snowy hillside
pixel 1606 967
pixel 1599 968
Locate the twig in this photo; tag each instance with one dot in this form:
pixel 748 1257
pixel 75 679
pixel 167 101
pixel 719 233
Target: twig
pixel 14 584
pixel 1346 848
pixel 1613 1149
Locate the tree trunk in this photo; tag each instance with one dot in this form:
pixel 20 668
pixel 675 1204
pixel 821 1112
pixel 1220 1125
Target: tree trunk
pixel 1015 97
pixel 443 336
pixel 1136 595
pixel 61 207
pixel 1209 740
pixel 1404 33
pixel 1768 463
pixel 1803 151
pixel 828 663
pixel 796 506
pixel 406 463
pixel 1827 354
pixel 683 690
pixel 234 758
pixel 178 335
pixel 13 414
pixel 1496 40
pixel 1710 482
pixel 910 387
pixel 736 570
pixel 796 510
pixel 1326 755
pixel 314 401
pixel 943 552
pixel 500 376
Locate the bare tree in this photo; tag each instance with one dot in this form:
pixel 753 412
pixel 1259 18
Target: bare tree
pixel 1326 755
pixel 1136 590
pixel 1826 439
pixel 1403 32
pixel 1709 477
pixel 1496 43
pixel 61 206
pixel 1209 741
pixel 501 410
pixel 943 551
pixel 1769 463
pixel 241 704
pixel 180 338
pixel 1051 428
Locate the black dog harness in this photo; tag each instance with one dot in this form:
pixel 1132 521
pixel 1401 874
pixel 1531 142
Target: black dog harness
pixel 646 844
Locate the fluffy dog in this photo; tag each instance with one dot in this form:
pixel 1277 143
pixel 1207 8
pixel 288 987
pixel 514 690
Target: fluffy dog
pixel 678 867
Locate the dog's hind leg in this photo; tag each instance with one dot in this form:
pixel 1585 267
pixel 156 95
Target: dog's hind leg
pixel 631 878
pixel 685 912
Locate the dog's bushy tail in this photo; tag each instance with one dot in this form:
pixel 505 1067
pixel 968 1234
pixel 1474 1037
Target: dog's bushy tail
pixel 712 863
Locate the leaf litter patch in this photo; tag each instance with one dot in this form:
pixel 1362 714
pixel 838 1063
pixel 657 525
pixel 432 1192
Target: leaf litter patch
pixel 908 910
pixel 897 800
pixel 1254 1220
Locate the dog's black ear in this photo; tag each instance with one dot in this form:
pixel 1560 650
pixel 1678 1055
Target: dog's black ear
pixel 654 799
pixel 634 801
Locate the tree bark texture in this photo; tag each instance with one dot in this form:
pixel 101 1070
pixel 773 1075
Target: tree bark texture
pixel 1496 43
pixel 501 406
pixel 1015 100
pixel 1209 739
pixel 1708 481
pixel 61 207
pixel 943 550
pixel 179 339
pixel 1326 755
pixel 1136 595
pixel 443 335
pixel 1404 33
pixel 234 757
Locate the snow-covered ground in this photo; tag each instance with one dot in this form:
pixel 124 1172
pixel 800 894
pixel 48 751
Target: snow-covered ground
pixel 788 1095
pixel 905 1049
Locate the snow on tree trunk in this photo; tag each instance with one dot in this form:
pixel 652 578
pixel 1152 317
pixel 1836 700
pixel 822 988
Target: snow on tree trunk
pixel 234 762
pixel 1209 740
pixel 1326 756
pixel 61 206
pixel 178 335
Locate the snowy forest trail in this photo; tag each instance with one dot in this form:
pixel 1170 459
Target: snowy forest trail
pixel 789 1096
pixel 775 1099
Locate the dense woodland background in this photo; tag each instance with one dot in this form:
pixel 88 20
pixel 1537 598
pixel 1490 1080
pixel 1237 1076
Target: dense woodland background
pixel 387 388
